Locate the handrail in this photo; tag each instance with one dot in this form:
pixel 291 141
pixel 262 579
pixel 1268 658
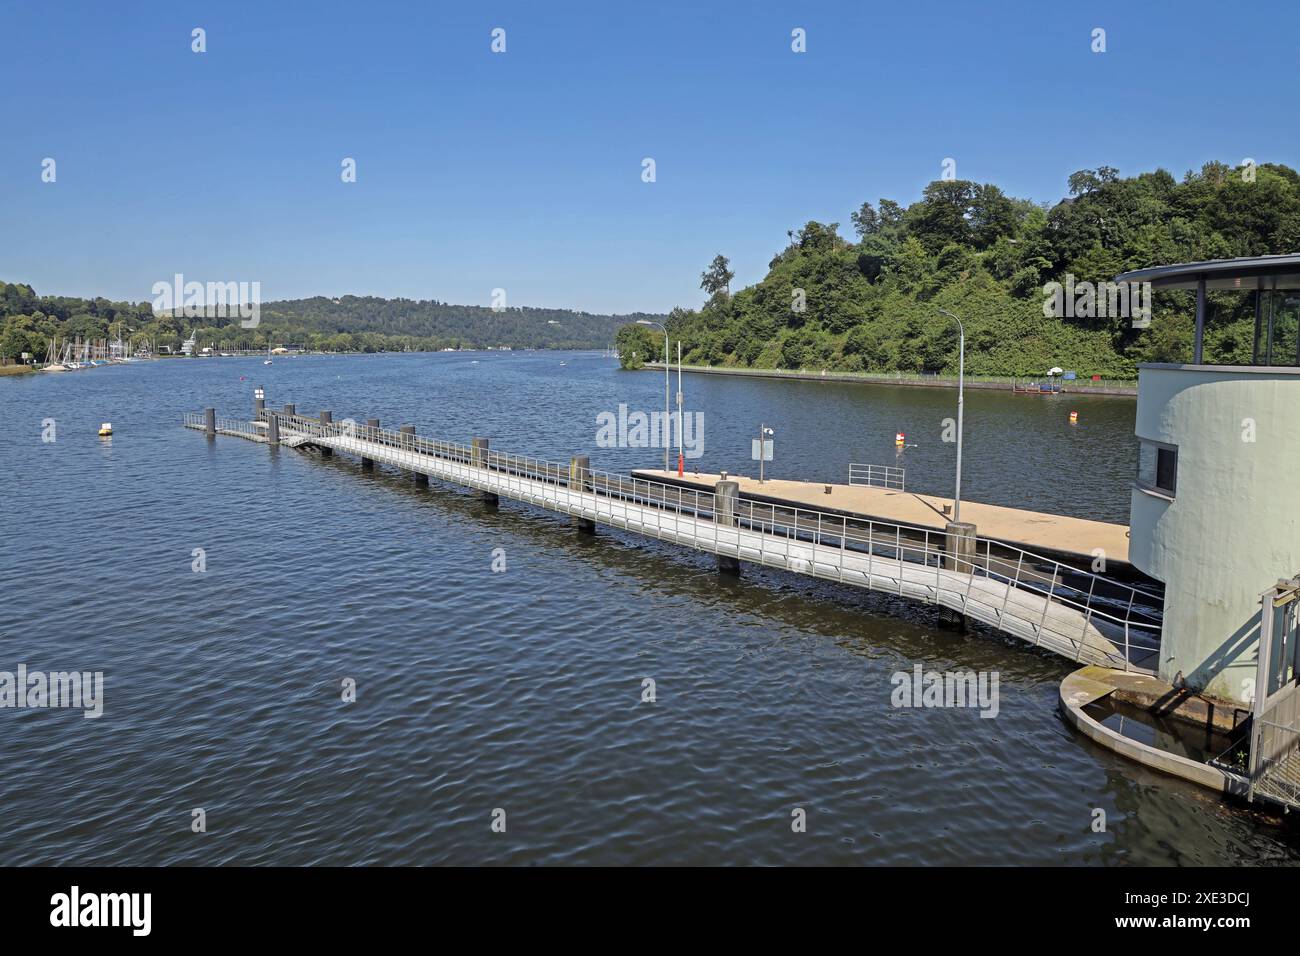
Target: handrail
pixel 882 476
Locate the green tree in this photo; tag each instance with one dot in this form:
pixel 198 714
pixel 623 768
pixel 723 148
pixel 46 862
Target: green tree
pixel 635 345
pixel 717 277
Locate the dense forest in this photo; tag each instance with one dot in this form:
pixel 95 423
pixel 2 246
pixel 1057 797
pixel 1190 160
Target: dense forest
pixel 352 323
pixel 872 305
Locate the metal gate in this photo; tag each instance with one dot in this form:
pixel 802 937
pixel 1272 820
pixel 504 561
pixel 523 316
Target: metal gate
pixel 1275 736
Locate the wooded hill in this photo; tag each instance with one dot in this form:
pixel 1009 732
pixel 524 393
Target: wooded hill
pixel 872 304
pixel 350 323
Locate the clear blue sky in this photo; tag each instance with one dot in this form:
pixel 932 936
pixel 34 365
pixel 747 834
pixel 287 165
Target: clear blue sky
pixel 523 170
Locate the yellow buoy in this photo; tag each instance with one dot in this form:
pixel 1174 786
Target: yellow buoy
pixel 1074 418
pixel 106 430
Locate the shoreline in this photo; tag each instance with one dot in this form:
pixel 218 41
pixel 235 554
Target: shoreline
pixel 1004 384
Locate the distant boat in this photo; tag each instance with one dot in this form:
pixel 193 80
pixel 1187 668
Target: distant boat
pixel 1036 388
pixel 268 356
pixel 562 364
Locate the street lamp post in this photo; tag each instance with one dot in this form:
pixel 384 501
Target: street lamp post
pixel 666 434
pixel 961 400
pixel 681 458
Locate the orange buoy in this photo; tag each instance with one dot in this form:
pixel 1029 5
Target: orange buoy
pixel 900 438
pixel 1074 418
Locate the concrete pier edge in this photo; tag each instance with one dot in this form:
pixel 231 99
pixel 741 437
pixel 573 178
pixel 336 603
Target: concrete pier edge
pixel 1092 683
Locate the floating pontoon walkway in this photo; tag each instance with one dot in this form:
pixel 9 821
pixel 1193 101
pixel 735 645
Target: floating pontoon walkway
pixel 1081 616
pixel 1056 535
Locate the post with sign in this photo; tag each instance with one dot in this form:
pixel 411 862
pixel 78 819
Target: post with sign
pixel 761 449
pixel 259 403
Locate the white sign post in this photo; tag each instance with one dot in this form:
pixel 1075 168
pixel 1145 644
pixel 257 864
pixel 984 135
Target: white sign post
pixel 760 449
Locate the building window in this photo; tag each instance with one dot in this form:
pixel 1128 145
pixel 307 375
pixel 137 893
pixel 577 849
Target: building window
pixel 1157 467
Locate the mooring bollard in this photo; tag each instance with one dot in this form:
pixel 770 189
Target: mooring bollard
pixel 290 410
pixel 726 496
pixel 579 480
pixel 958 557
pixel 326 418
pixel 368 464
pixel 273 428
pixel 210 422
pixel 479 456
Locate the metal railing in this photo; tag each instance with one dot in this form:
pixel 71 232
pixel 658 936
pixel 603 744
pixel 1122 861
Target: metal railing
pixel 880 476
pixel 240 428
pixel 1071 611
pixel 1274 766
pixel 1275 759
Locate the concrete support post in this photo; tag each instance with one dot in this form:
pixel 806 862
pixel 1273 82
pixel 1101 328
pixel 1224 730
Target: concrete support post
pixel 408 443
pixel 479 458
pixel 326 418
pixel 368 464
pixel 726 499
pixel 958 557
pixel 273 428
pixel 580 480
pixel 259 402
pixel 421 478
pixel 210 422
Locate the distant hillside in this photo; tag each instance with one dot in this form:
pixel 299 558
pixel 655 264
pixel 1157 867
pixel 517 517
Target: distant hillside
pixel 467 325
pixel 351 323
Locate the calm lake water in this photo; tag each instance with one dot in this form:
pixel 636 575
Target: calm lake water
pixel 522 690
